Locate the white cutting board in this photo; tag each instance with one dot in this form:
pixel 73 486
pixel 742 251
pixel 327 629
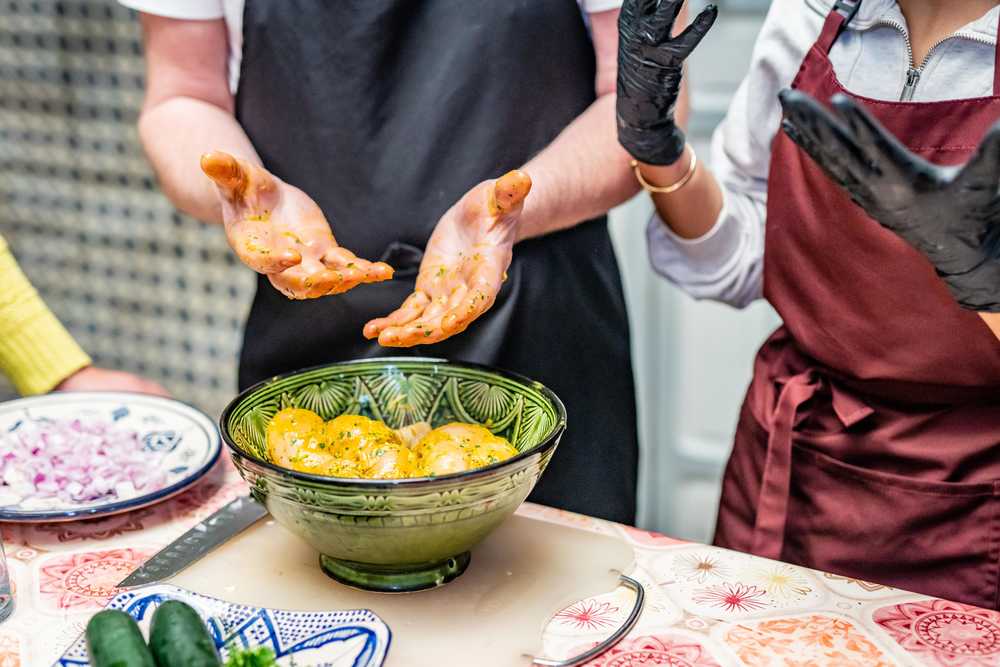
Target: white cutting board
pixel 491 616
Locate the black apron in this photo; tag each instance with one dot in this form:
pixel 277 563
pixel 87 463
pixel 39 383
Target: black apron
pixel 386 112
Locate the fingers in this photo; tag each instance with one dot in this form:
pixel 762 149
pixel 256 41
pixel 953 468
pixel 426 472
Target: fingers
pixel 801 120
pixel 242 183
pixel 482 291
pixel 411 309
pixel 983 170
pixel 424 327
pixel 299 284
pixel 882 148
pixel 822 137
pixel 437 324
pixel 417 333
pixel 692 35
pixel 249 194
pixel 659 20
pixel 342 259
pixel 230 175
pixel 508 193
pixel 251 243
pixel 475 303
pixel 334 278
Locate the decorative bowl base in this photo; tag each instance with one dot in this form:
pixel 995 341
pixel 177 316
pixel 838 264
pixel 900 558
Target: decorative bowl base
pixel 395 578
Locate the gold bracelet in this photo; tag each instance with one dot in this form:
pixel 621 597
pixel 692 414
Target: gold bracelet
pixel 667 189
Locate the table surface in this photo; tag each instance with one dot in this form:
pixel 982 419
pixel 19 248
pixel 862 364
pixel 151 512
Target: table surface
pixel 704 606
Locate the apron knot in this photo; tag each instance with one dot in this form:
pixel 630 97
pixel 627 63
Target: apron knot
pixel 772 505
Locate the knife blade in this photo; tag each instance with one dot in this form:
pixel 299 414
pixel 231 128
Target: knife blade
pixel 233 518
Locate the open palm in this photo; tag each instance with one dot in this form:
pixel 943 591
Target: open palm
pixel 278 230
pixel 463 268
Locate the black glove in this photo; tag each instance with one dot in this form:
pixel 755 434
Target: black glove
pixel 950 214
pixel 650 67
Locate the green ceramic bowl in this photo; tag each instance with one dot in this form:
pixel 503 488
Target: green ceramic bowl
pixel 407 534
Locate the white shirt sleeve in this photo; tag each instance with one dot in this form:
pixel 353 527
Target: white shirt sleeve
pixel 204 10
pixel 200 10
pixel 594 6
pixel 726 264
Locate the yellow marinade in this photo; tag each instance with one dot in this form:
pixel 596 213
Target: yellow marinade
pixel 355 446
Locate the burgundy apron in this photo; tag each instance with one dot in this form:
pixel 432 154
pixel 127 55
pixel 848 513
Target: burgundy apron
pixel 869 441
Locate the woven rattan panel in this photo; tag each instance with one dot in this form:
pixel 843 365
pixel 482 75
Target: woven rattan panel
pixel 142 287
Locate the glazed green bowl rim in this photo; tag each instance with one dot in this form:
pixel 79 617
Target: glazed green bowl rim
pixel 548 443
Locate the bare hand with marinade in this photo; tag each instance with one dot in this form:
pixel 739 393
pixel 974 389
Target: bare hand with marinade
pixel 949 213
pixel 464 265
pixel 279 231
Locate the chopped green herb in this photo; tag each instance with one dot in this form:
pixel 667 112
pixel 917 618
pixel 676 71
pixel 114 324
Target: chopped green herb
pixel 261 656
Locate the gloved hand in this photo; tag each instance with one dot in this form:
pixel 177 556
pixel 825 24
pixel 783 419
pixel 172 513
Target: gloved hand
pixel 279 231
pixel 650 68
pixel 951 214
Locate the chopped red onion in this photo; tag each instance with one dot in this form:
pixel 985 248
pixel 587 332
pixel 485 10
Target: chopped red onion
pixel 73 462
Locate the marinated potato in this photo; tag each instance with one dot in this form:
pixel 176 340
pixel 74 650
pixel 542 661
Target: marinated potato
pixel 358 447
pixel 296 439
pixel 350 435
pixel 412 434
pixel 442 457
pixel 455 447
pixel 488 452
pixel 388 461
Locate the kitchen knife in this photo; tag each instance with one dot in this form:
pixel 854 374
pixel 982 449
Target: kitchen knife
pixel 230 520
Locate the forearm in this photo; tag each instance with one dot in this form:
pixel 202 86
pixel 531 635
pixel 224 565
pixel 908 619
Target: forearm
pixel 692 210
pixel 175 133
pixel 36 351
pixel 580 175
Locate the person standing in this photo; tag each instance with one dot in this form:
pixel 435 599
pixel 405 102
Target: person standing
pixel 372 119
pixel 855 185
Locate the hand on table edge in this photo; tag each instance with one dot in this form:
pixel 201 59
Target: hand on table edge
pixel 92 378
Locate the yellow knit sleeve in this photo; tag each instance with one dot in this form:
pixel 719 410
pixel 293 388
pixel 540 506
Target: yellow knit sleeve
pixel 36 351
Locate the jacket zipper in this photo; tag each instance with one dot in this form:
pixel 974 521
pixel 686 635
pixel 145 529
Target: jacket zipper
pixel 914 72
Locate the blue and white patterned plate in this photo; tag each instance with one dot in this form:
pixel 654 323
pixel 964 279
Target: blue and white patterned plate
pixel 355 638
pixel 183 441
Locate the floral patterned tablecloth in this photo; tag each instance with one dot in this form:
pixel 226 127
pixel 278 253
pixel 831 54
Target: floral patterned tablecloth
pixel 705 606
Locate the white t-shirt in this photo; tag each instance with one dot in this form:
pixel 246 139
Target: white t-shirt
pixel 232 12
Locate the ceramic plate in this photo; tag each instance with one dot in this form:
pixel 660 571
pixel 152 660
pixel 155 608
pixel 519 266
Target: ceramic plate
pixel 178 438
pixel 356 638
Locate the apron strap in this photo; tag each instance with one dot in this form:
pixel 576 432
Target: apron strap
pixel 838 18
pixel 775 485
pixel 996 62
pixel 772 505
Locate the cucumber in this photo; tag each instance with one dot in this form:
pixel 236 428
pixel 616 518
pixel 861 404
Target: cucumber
pixel 178 638
pixel 114 640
